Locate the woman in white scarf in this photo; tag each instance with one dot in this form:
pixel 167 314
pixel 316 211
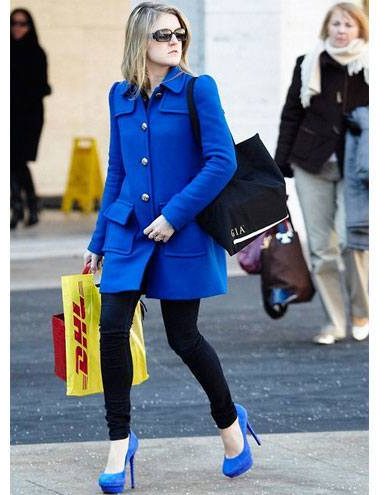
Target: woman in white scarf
pixel 344 47
pixel 329 82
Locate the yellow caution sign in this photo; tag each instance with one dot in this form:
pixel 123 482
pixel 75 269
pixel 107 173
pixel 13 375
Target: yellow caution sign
pixel 84 183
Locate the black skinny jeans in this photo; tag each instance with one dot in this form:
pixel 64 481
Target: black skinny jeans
pixel 180 320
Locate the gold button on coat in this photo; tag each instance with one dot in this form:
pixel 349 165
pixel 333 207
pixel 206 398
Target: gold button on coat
pixel 145 197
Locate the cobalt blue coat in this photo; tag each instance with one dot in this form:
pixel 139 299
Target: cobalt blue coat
pixel 156 167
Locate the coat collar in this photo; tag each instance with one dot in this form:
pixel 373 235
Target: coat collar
pixel 174 80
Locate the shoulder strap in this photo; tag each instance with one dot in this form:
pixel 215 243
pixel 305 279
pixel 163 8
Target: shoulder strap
pixel 193 111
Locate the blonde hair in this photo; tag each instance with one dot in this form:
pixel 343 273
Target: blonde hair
pixel 138 29
pixel 353 11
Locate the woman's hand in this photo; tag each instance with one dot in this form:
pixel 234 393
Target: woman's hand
pixel 159 230
pixel 94 260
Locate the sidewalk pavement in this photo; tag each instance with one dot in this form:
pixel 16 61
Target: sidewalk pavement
pixel 286 464
pixel 314 463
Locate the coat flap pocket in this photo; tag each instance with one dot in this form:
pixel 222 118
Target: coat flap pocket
pixel 119 211
pixel 172 104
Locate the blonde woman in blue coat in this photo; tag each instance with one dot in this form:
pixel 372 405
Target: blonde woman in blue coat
pixel 158 180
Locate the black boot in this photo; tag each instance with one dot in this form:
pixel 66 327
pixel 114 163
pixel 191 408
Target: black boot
pixel 17 215
pixel 33 212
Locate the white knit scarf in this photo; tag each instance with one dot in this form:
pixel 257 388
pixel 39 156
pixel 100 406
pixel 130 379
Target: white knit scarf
pixel 355 55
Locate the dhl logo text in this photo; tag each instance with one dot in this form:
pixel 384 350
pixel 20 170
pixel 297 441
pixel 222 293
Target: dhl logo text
pixel 80 335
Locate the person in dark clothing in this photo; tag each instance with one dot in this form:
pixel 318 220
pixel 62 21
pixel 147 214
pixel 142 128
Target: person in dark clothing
pixel 28 87
pixel 328 83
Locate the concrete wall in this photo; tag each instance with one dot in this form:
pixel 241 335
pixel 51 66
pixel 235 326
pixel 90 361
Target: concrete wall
pixel 251 47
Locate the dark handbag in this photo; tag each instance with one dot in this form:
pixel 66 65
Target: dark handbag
pixel 252 202
pixel 285 277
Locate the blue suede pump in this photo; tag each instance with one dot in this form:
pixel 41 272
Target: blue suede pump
pixel 234 466
pixel 115 482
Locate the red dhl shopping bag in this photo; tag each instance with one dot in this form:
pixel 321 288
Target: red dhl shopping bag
pixel 81 306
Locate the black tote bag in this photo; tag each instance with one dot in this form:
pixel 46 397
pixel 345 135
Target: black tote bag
pixel 252 202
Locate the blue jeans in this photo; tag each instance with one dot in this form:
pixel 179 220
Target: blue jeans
pixel 180 320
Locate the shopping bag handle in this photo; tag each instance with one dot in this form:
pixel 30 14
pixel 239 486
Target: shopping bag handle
pixel 86 270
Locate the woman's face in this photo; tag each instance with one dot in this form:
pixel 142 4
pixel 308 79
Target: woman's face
pixel 165 53
pixel 19 25
pixel 342 29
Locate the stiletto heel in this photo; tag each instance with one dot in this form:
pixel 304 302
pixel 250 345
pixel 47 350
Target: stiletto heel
pixel 132 471
pixel 115 482
pixel 235 466
pixel 251 431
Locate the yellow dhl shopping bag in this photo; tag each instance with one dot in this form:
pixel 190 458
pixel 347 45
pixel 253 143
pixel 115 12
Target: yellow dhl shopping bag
pixel 81 306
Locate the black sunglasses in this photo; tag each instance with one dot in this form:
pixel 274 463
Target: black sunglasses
pixel 166 34
pixel 20 23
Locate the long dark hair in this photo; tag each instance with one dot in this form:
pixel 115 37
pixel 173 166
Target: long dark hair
pixel 31 36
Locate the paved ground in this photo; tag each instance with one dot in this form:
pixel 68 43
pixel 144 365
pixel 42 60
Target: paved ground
pixel 289 384
pixel 286 464
pixel 309 402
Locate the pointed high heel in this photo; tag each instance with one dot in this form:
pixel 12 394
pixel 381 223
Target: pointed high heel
pixel 132 471
pixel 235 466
pixel 251 431
pixel 115 482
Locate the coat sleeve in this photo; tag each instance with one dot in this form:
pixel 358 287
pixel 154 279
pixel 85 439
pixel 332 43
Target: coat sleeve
pixel 114 180
pixel 362 156
pixel 37 81
pixel 218 155
pixel 291 118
